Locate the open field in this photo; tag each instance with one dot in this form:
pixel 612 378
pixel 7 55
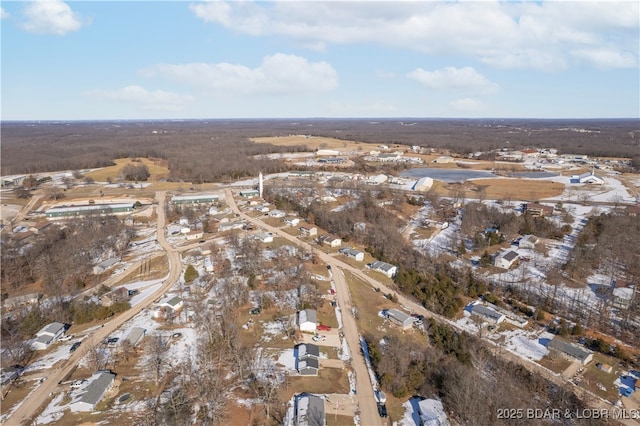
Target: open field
pixel 158 168
pixel 315 142
pixel 501 189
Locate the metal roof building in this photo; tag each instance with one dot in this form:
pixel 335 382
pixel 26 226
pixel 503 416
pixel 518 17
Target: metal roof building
pixel 194 199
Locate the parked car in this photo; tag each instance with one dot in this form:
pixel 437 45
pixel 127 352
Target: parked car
pixel 382 410
pixel 323 327
pixel 75 346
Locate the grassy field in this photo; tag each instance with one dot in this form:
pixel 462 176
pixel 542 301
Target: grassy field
pixel 158 168
pixel 315 142
pixel 501 189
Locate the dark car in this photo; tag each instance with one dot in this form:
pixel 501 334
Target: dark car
pixel 75 346
pixel 329 267
pixel 382 410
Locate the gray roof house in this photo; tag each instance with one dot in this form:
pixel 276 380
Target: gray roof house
pixel 47 335
pixel 88 398
pixel 400 318
pixel 308 366
pixel 135 336
pixel 352 253
pixel 571 351
pixel 309 410
pixel 105 265
pixel 505 259
pixel 386 268
pixel 488 313
pixel 307 320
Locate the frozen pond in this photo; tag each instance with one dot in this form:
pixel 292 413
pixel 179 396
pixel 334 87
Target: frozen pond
pixel 446 175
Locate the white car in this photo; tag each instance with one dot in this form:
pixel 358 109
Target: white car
pixel 65 338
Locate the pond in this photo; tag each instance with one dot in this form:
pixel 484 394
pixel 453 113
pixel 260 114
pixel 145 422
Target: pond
pixel 446 175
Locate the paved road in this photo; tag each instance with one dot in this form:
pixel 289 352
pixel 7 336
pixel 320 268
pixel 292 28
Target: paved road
pixel 37 398
pixel 589 398
pixel 364 390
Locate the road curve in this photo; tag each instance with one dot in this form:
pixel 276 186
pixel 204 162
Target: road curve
pixel 38 397
pixel 364 390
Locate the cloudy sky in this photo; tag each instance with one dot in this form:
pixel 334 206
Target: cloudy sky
pixel 242 59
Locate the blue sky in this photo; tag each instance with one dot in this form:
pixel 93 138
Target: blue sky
pixel 186 59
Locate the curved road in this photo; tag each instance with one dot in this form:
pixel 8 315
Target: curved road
pixel 366 401
pixel 30 405
pixel 364 390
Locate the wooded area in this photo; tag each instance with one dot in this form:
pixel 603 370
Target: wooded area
pixel 209 150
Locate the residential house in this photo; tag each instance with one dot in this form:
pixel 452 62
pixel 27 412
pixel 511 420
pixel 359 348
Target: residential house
pixel 400 318
pixel 432 413
pixel 135 336
pixel 194 235
pixel 571 351
pixel 308 232
pixel 386 268
pixel 588 177
pixel 528 242
pixel 105 265
pixel 309 410
pixel 537 210
pixel 352 253
pixel 292 221
pixel 230 225
pixel 506 259
pixel 47 335
pixel 277 214
pixel 265 237
pixel 487 313
pixel 307 356
pixel 307 320
pixel 9 375
pixel 208 263
pixel 331 241
pixel 88 397
pixel 120 294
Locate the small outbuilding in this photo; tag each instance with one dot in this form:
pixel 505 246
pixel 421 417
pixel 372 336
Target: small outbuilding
pixel 400 318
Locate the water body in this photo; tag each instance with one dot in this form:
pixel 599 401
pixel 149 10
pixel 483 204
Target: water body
pixel 446 175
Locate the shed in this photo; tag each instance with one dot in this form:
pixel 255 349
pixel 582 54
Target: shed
pixel 528 242
pixel 506 259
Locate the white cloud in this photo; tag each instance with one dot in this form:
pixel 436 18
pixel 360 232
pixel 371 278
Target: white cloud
pixel 150 100
pixel 3 13
pixel 467 105
pixel 277 74
pixel 51 17
pixel 451 78
pixel 538 35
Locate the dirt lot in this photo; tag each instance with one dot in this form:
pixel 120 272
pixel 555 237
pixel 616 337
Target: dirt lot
pixel 316 142
pixel 501 189
pixel 158 168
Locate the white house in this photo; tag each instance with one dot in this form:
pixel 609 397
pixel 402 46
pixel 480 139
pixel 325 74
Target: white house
pixel 308 232
pixel 331 241
pixel 528 242
pixel 194 235
pixel 265 237
pixel 506 259
pixel 47 335
pixel 88 397
pixel 307 320
pixel 208 263
pixel 277 214
pixel 352 253
pixel 443 159
pixel 184 221
pixel 175 303
pixel 589 177
pixel 386 268
pixel 292 221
